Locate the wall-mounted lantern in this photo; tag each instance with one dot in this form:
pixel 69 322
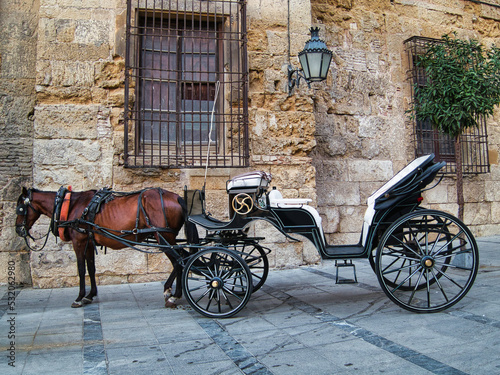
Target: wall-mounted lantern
pixel 315 60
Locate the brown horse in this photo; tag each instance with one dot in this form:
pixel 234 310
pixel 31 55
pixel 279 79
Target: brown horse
pixel 126 217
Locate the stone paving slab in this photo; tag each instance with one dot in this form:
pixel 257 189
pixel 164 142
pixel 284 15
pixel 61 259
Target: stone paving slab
pixel 300 322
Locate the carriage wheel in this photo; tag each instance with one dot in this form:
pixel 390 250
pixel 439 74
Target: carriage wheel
pixel 256 258
pixel 217 282
pixel 409 263
pixel 427 261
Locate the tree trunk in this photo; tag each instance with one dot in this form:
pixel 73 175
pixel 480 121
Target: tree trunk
pixel 460 179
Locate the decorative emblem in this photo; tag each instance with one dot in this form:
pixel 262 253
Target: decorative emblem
pixel 242 203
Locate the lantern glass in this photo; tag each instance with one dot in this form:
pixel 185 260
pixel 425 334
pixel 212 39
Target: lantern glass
pixel 315 58
pixel 315 61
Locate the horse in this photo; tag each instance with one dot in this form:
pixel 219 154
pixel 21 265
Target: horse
pixel 119 220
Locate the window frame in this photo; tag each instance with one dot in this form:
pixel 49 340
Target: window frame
pixel 152 138
pixel 474 141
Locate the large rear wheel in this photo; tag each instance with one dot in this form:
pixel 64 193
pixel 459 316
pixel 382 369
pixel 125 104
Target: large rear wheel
pixel 427 261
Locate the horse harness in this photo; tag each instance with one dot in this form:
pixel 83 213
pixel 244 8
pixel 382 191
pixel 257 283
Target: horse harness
pixel 86 223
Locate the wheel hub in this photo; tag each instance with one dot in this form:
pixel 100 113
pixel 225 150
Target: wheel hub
pixel 216 283
pixel 427 262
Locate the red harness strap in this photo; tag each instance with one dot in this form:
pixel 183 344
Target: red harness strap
pixel 64 214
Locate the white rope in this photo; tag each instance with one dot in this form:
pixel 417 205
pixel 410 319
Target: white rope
pixel 210 131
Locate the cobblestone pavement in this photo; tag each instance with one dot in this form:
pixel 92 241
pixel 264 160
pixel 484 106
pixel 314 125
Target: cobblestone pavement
pixel 300 322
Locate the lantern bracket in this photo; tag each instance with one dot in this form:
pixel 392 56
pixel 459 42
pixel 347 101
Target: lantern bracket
pixel 292 82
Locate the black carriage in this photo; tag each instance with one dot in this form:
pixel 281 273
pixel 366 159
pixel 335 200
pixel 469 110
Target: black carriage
pixel 425 260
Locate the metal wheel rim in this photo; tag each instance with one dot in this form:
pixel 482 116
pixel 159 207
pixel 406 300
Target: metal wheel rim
pixel 427 261
pixel 217 283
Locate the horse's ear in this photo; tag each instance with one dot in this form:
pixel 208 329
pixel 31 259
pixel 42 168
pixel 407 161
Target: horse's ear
pixel 25 191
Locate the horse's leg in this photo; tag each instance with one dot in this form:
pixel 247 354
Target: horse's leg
pixel 80 261
pixel 171 299
pixel 90 257
pixel 167 287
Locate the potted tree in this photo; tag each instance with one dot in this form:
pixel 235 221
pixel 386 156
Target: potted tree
pixel 463 85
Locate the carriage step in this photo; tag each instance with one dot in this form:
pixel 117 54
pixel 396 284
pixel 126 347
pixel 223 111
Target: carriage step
pixel 346 263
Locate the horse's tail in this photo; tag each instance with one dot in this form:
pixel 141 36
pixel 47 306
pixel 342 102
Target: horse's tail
pixel 190 230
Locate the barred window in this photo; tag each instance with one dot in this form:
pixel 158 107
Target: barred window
pixel 186 84
pixel 474 141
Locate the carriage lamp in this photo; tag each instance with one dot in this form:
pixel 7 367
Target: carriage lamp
pixel 315 61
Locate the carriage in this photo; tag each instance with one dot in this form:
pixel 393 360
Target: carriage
pixel 425 260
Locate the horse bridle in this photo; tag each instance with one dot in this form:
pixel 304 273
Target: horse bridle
pixel 22 210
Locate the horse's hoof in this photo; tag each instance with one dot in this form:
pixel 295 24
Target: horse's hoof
pixel 77 304
pixel 170 302
pixel 170 305
pixel 86 300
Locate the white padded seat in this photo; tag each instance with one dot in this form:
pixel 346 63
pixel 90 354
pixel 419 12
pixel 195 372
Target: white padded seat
pixel 370 210
pixel 276 200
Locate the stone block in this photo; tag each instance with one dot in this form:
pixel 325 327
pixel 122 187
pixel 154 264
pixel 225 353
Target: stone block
pixel 111 279
pixel 370 170
pixel 277 42
pixel 65 152
pixel 147 278
pixel 437 195
pixel 330 219
pixel 340 194
pixel 288 254
pixel 477 213
pixel 122 262
pixel 492 191
pixel 15 268
pixel 67 121
pixel 92 32
pixel 293 178
pixel 345 238
pixel 474 191
pixel 495 213
pixel 46 264
pixel 351 219
pixel 69 73
pixel 310 254
pixel 74 52
pixel 158 263
pixel 57 282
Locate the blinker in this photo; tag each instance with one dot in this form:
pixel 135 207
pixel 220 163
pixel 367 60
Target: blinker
pixel 22 209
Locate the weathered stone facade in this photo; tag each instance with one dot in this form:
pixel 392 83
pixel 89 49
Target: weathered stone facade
pixel 62 81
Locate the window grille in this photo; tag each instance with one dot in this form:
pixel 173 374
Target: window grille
pixel 429 140
pixel 186 84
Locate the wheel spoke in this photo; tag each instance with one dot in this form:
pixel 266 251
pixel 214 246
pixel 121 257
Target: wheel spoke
pixel 440 286
pixel 405 280
pixel 416 285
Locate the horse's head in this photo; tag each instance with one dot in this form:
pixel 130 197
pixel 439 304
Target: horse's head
pixel 27 214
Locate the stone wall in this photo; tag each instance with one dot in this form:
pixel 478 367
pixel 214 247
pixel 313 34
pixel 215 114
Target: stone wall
pixel 363 134
pixel 335 143
pixel 18 22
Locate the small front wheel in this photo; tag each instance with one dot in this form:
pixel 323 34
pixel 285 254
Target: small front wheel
pixel 217 282
pixel 427 261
